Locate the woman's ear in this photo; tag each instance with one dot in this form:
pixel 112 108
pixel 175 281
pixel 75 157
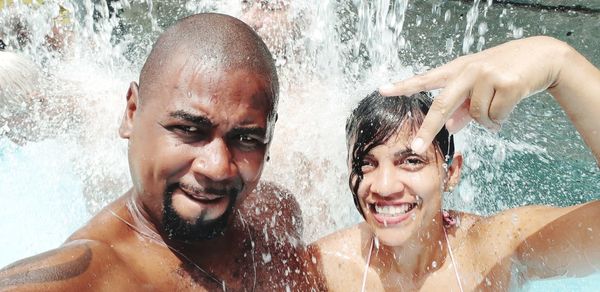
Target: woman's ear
pixel 454 171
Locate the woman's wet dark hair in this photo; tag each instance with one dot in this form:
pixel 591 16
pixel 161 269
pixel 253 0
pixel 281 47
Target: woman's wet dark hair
pixel 376 119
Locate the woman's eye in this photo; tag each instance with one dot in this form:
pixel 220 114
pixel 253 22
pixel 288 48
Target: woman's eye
pixel 413 162
pixel 366 166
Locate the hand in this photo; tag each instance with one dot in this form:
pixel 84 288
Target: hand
pixel 485 86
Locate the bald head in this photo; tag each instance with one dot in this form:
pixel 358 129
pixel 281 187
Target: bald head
pixel 215 42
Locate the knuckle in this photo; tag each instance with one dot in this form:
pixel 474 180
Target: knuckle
pixel 475 67
pixel 507 82
pixel 475 111
pixel 441 105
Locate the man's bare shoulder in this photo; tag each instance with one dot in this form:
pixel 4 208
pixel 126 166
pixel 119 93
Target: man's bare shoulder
pixel 106 226
pixel 86 261
pixel 273 207
pixel 76 266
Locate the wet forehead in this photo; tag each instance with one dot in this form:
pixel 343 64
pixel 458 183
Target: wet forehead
pixel 399 144
pixel 187 80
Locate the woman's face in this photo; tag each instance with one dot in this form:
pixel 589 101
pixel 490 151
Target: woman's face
pixel 400 193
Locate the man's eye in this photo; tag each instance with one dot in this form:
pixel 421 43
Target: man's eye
pixel 248 142
pixel 189 133
pixel 188 130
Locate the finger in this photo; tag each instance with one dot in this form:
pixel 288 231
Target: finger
pixel 459 119
pixel 481 99
pixel 502 105
pixel 442 108
pixel 433 79
pixel 430 80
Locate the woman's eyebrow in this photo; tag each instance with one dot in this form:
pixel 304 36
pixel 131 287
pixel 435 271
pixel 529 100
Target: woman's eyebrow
pixel 404 152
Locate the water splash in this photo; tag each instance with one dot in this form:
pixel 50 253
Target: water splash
pixel 340 51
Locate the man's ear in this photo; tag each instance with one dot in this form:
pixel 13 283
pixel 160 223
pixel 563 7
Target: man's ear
pixel 454 171
pixel 130 111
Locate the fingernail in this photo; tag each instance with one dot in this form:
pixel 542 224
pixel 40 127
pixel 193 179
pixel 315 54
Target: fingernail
pixel 417 145
pixel 387 87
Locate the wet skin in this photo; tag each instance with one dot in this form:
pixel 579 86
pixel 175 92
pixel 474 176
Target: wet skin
pixel 395 177
pixel 496 253
pixel 203 146
pixel 197 139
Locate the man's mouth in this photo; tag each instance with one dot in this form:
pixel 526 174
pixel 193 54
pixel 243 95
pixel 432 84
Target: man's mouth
pixel 390 214
pixel 203 195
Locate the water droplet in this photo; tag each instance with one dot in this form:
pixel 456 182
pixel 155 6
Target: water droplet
pixel 447 16
pixel 266 257
pixel 515 219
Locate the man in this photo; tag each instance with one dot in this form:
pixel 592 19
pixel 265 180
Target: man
pixel 199 126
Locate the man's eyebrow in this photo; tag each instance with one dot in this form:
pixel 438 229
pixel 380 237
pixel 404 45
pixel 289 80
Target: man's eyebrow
pixel 195 119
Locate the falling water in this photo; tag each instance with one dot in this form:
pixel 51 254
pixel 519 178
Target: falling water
pixel 329 55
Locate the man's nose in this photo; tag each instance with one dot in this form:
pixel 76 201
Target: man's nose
pixel 215 161
pixel 387 180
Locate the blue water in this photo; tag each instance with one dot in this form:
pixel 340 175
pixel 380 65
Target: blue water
pixel 590 283
pixel 41 198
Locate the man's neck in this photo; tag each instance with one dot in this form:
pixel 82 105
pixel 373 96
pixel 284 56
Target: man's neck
pixel 150 228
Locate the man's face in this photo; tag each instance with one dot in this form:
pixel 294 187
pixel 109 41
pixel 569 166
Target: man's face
pixel 197 142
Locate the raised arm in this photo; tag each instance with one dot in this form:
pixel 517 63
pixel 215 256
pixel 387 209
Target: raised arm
pixel 565 242
pixel 486 86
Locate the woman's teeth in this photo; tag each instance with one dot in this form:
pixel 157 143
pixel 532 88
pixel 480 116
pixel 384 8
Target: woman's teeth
pixel 395 210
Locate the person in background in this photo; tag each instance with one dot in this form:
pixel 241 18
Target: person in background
pixel 16 18
pixel 34 167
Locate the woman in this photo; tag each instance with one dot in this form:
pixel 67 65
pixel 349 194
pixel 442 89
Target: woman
pixel 408 242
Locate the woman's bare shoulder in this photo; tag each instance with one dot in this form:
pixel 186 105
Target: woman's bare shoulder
pixel 341 256
pixel 347 240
